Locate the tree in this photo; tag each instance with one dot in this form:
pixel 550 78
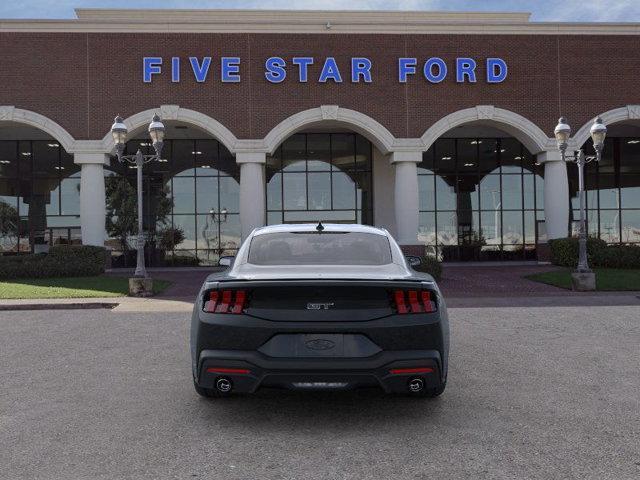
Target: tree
pixel 122 209
pixel 9 222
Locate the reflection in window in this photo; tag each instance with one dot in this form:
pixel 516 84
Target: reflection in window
pixel 612 192
pixel 198 182
pixel 39 196
pixel 320 177
pixel 480 198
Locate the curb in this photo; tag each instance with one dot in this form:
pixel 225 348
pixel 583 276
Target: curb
pixel 58 306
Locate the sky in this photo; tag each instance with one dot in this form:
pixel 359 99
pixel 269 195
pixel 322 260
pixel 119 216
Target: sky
pixel 542 10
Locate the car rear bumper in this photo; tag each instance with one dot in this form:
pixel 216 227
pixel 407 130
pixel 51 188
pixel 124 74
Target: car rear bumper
pixel 250 370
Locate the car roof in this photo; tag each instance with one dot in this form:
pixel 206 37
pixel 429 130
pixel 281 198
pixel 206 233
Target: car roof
pixel 312 227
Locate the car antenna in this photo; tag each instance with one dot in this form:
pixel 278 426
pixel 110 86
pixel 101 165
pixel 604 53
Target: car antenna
pixel 320 227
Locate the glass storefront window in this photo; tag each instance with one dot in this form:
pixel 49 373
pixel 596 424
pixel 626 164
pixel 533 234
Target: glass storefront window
pixel 39 195
pixel 320 177
pixel 479 199
pixel 612 192
pixel 194 189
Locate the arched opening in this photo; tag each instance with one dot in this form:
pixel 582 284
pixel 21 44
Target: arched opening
pixel 321 166
pixel 191 200
pixel 612 186
pixel 39 190
pixel 321 174
pixel 481 196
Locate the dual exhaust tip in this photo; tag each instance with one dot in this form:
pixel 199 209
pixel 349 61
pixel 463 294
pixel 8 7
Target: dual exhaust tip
pixel 224 385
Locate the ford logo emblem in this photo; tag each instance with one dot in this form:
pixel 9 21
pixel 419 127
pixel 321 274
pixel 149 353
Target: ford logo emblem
pixel 319 344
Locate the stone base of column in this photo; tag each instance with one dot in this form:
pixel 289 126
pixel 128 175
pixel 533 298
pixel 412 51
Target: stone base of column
pixel 141 287
pixel 583 281
pixel 416 250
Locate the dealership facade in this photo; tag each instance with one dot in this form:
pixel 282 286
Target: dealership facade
pixel 436 126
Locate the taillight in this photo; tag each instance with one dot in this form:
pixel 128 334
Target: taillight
pixel 225 301
pixel 414 301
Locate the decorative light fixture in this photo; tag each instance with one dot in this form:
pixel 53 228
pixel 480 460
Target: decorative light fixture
pixel 156 133
pixel 562 133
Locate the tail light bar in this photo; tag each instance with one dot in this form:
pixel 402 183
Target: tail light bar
pixel 225 301
pixel 414 301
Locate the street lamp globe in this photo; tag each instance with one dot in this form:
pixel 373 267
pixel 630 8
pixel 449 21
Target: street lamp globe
pixel 598 133
pixel 562 133
pixel 156 132
pixel 119 133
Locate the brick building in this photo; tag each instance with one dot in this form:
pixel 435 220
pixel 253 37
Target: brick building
pixel 436 126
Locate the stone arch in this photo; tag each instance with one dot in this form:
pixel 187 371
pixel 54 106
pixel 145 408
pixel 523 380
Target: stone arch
pixel 374 131
pixel 528 133
pixel 617 115
pixel 10 113
pixel 177 113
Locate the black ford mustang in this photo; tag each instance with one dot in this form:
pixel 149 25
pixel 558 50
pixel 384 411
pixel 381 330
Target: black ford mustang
pixel 319 307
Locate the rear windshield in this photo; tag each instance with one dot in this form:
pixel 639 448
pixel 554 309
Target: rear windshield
pixel 326 248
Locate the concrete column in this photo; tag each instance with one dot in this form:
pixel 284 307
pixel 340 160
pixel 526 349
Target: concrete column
pixel 92 197
pixel 556 194
pixel 406 196
pixel 252 191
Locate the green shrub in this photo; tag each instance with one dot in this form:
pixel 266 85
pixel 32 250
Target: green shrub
pixel 432 266
pixel 619 256
pixel 61 261
pixel 564 251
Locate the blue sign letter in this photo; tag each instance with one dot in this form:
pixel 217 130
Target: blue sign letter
pixel 200 71
pixel 175 69
pixel 465 66
pixel 360 67
pixel 150 66
pixel 406 66
pixel 428 70
pixel 275 69
pixel 230 69
pixel 331 71
pixel 303 64
pixel 496 70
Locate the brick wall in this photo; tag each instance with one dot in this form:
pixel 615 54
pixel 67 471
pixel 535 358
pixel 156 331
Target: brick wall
pixel 81 80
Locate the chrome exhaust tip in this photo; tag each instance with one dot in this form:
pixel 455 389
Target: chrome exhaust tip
pixel 416 385
pixel 224 385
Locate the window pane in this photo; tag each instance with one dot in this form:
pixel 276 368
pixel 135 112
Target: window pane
pixel 343 151
pixel 427 228
pixel 512 228
pixel 318 154
pixel 8 159
pixel 426 189
pixel 206 157
pixel 445 156
pixel 70 196
pixel 490 192
pixel 295 191
pixel 610 226
pixel 363 153
pixel 188 225
pixel 209 231
pixel 629 155
pixel 344 191
pixel 488 156
pixel 319 191
pixel 608 192
pixel 229 194
pixel 183 191
pixel 274 192
pixel 467 197
pixel 46 159
pixel 491 227
pixel 230 235
pixel 182 157
pixel 630 191
pixel 510 155
pixel 445 194
pixel 207 194
pixel 294 153
pixel 427 166
pixel 447 228
pixel 631 226
pixel 512 192
pixel 467 161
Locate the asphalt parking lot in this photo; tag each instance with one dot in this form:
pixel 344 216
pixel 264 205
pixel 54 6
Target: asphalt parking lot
pixel 534 393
